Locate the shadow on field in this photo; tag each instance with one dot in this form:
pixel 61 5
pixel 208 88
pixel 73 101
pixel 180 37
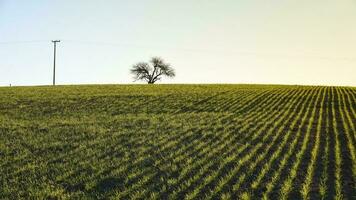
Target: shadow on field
pixel 108 184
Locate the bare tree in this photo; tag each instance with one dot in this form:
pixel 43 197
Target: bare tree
pixel 144 72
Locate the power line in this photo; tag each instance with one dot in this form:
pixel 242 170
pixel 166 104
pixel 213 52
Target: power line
pixel 246 53
pixel 225 52
pixel 22 42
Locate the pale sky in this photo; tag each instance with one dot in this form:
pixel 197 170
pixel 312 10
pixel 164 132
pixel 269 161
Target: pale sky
pixel 306 42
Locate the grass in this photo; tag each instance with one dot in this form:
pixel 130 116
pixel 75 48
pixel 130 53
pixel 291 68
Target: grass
pixel 178 142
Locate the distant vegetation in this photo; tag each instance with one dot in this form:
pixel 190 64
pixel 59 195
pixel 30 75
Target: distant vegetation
pixel 178 142
pixel 152 73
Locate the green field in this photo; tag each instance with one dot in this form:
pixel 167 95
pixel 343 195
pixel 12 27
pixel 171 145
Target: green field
pixel 178 142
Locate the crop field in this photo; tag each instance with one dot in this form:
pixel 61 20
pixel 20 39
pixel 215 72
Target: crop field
pixel 178 142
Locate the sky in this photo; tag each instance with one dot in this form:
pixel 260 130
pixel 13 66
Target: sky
pixel 304 42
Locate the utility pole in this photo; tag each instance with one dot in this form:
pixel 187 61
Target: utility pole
pixel 54 60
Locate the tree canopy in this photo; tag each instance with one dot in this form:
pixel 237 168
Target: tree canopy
pixel 151 73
